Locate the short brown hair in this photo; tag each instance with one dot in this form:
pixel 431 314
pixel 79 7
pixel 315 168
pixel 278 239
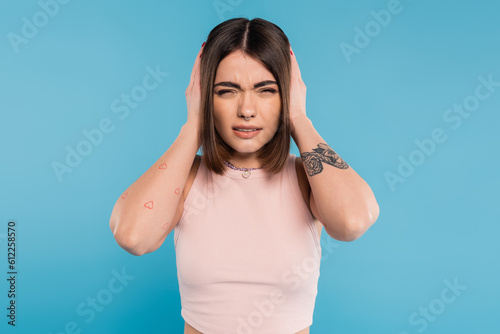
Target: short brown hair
pixel 265 42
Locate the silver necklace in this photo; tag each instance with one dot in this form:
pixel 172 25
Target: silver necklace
pixel 246 171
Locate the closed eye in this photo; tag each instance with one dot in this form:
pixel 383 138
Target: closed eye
pixel 270 90
pixel 224 91
pixel 221 92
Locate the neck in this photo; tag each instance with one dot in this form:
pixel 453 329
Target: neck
pixel 245 160
pixel 238 166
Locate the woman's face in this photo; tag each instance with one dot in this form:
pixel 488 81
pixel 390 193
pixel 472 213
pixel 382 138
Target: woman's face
pixel 245 88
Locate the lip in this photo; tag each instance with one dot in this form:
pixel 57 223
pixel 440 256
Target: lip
pixel 246 126
pixel 247 134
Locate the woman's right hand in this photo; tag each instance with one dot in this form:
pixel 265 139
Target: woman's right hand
pixel 193 92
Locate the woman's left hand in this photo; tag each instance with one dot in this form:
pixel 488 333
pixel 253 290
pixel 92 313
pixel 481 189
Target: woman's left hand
pixel 297 93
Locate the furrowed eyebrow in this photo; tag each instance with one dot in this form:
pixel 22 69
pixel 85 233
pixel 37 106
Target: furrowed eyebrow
pixel 235 85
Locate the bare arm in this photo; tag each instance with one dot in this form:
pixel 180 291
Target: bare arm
pixel 339 197
pixel 144 214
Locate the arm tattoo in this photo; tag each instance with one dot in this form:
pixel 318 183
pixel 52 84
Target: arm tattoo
pixel 313 161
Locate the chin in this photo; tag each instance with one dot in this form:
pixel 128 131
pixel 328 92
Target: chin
pixel 245 145
pixel 246 148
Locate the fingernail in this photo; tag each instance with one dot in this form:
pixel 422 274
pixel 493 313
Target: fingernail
pixel 203 44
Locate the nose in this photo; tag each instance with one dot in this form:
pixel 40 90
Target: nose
pixel 246 107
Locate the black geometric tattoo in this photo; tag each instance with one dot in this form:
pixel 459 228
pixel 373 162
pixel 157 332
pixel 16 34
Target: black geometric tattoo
pixel 323 154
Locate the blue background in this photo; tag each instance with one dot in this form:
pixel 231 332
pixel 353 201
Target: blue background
pixel 440 224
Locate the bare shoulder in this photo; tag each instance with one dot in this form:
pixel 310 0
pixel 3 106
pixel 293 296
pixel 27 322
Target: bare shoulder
pixel 305 188
pixel 187 187
pixel 191 176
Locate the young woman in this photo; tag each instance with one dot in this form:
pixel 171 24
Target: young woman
pixel 247 215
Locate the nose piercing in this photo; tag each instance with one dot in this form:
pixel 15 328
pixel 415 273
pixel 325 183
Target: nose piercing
pixel 247 118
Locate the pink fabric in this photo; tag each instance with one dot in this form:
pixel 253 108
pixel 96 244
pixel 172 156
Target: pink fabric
pixel 248 253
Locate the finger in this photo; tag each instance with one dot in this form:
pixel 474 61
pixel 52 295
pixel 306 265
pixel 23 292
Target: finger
pixel 295 65
pixel 196 65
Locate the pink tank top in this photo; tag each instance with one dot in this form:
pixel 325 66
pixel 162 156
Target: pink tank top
pixel 247 253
